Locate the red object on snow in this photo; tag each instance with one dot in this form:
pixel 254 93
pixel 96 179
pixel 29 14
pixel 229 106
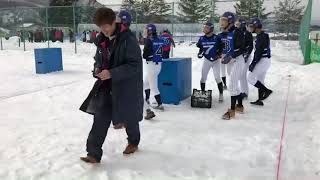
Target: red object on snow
pixel 166 36
pixel 58 35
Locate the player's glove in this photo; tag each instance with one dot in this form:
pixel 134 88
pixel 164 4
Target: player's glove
pixel 226 59
pixel 200 55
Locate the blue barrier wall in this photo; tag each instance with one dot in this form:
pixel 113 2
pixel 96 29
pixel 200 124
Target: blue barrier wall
pixel 175 80
pixel 48 60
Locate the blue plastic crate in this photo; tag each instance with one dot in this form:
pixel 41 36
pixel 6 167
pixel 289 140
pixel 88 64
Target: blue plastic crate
pixel 48 60
pixel 175 80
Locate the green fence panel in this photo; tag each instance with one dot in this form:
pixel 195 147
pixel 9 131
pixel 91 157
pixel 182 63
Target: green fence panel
pixel 315 52
pixel 304 33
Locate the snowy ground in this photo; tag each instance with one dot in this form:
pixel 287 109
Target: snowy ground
pixel 42 132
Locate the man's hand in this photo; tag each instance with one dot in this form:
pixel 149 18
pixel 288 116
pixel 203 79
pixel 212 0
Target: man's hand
pixel 104 75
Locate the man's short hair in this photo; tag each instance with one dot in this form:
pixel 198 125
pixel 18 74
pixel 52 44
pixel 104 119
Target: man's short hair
pixel 104 16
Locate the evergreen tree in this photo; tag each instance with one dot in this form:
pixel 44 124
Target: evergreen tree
pixel 251 8
pixel 62 2
pixel 131 6
pixel 288 15
pixel 196 10
pixel 61 16
pixel 160 11
pixel 155 11
pixel 84 14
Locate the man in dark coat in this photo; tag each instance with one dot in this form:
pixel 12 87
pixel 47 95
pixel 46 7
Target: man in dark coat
pixel 118 93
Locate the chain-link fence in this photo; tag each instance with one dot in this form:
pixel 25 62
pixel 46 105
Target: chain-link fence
pixel 70 27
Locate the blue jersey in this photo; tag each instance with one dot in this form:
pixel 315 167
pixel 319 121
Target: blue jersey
pixel 227 39
pixel 209 46
pixel 234 42
pixel 157 49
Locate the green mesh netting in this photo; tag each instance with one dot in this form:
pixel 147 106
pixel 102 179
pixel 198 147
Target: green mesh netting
pixel 315 52
pixel 304 40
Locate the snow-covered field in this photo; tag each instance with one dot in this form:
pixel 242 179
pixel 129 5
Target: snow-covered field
pixel 43 134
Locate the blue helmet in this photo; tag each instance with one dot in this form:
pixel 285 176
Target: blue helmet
pixel 230 16
pixel 209 24
pixel 255 22
pixel 242 22
pixel 151 28
pixel 125 17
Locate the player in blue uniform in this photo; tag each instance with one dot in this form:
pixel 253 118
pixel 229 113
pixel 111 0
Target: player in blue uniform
pixel 210 47
pixel 168 39
pixel 233 40
pixel 152 53
pixel 261 61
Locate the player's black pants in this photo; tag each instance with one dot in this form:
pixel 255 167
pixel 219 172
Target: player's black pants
pixel 166 54
pixel 101 124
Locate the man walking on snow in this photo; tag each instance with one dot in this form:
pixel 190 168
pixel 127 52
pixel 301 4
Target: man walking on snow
pixel 118 92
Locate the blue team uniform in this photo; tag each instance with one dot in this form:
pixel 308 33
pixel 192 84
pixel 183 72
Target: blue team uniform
pixel 210 47
pixel 153 49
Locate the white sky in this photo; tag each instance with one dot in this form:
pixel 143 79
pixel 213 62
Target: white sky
pixel 315 18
